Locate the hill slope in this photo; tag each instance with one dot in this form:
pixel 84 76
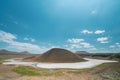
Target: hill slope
pixel 57 55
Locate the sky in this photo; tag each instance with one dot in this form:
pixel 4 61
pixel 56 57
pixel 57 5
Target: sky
pixel 77 25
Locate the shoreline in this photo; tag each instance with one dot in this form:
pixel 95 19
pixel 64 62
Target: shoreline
pixel 90 63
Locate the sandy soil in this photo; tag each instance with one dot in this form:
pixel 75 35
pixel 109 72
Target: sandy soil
pixel 82 76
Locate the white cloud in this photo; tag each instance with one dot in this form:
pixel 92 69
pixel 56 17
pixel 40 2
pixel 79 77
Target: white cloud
pixel 72 46
pixel 115 47
pixel 29 39
pixel 86 31
pixel 75 40
pixel 103 39
pixel 25 47
pixel 76 43
pixel 86 45
pixel 117 43
pixel 6 37
pixel 99 31
pixel 21 46
pixel 92 32
pixel 112 46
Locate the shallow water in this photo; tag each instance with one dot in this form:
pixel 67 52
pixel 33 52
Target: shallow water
pixel 78 65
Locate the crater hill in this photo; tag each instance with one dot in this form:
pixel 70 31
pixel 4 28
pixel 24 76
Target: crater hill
pixel 57 55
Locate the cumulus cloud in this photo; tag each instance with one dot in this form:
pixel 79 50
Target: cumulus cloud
pixel 86 31
pixel 112 46
pixel 72 46
pixel 92 32
pixel 21 46
pixel 86 45
pixel 6 37
pixel 75 40
pixel 29 39
pixel 116 45
pixel 103 39
pixel 99 31
pixel 79 43
pixel 26 47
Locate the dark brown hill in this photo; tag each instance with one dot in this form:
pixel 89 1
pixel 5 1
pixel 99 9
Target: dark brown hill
pixel 57 55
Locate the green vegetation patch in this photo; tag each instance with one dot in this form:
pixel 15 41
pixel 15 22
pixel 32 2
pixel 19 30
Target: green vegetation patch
pixel 30 71
pixel 26 70
pixel 1 60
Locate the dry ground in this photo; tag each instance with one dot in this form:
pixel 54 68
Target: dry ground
pixel 102 72
pixel 82 76
pixel 6 73
pixel 110 71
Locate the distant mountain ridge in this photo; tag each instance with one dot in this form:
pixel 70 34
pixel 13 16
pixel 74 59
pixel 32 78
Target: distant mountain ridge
pixel 6 52
pixel 102 55
pixel 81 52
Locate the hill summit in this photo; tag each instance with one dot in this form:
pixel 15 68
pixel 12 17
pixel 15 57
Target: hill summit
pixel 57 55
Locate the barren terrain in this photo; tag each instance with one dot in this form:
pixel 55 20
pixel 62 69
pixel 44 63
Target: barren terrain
pixel 106 71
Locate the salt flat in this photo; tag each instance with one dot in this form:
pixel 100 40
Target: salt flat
pixel 78 65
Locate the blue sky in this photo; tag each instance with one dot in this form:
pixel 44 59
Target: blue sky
pixel 38 25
